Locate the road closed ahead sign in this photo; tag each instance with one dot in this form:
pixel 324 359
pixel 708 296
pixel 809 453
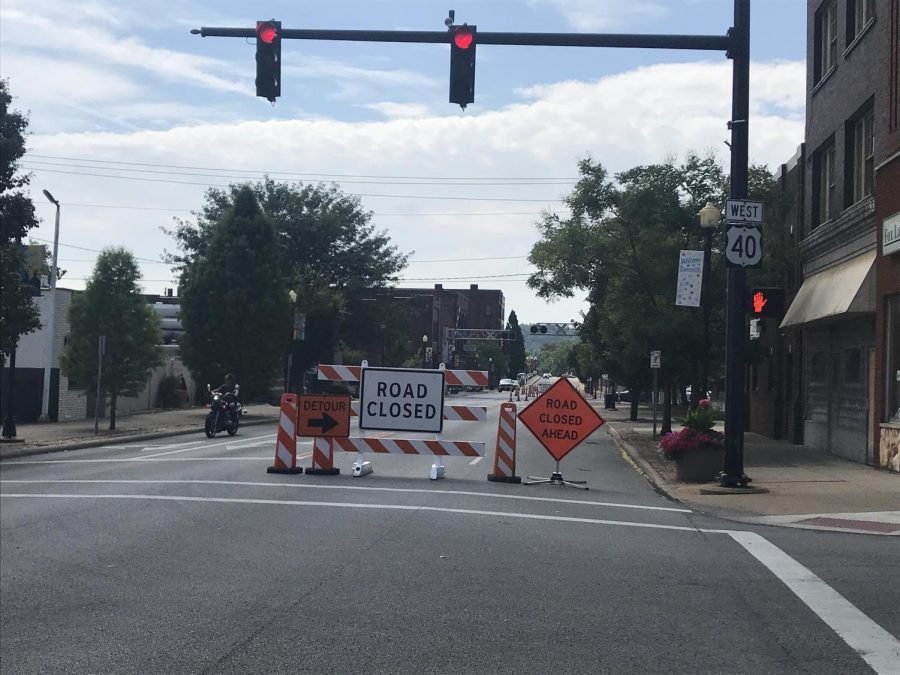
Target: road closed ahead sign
pixel 399 399
pixel 560 418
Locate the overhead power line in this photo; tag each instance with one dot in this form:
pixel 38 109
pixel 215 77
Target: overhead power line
pixel 374 213
pixel 312 173
pixel 508 183
pixel 163 262
pixel 358 194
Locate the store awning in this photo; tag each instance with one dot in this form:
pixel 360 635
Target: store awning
pixel 843 289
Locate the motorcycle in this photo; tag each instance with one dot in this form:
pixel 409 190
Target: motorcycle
pixel 223 414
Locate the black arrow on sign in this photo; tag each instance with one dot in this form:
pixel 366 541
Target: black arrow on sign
pixel 326 423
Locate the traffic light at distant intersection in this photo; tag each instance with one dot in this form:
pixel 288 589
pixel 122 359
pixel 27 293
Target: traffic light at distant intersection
pixel 268 59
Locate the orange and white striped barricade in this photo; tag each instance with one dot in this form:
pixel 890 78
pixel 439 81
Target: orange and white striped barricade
pixel 286 438
pixel 411 446
pixel 322 458
pixel 505 454
pixel 452 378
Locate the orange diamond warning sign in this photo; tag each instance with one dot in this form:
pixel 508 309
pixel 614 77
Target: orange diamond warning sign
pixel 560 418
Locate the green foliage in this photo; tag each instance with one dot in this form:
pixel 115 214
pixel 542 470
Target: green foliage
pixel 18 314
pixel 328 252
pixel 621 245
pixel 112 305
pixel 556 358
pixel 699 417
pixel 235 307
pixel 515 350
pixel 486 351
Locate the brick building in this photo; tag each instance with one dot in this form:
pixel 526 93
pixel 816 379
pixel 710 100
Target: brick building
pixel 838 323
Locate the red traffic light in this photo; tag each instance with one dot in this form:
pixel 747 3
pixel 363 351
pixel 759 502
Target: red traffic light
pixel 462 37
pixel 266 32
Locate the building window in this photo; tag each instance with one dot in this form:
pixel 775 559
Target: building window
pixel 823 183
pixel 893 359
pixel 826 40
pixel 817 367
pixel 488 310
pixel 852 366
pixel 861 155
pixel 859 14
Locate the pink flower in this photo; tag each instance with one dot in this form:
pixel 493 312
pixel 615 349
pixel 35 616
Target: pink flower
pixel 704 403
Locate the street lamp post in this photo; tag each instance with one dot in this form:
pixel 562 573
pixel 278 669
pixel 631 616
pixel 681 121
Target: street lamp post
pixel 709 221
pixel 51 319
pixel 424 351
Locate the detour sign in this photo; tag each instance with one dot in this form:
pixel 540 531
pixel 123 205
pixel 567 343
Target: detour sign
pixel 560 418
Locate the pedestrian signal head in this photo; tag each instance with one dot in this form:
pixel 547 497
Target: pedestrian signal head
pixel 766 302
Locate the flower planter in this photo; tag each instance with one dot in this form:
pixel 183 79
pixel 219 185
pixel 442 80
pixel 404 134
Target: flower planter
pixel 699 464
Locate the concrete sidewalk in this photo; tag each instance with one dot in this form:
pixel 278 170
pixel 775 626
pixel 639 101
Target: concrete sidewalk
pixel 808 488
pixel 39 438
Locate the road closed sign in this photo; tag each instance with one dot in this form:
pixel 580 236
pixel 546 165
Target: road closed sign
pixel 560 418
pixel 400 399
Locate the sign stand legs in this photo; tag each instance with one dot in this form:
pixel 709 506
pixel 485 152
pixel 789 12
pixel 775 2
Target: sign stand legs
pixel 557 479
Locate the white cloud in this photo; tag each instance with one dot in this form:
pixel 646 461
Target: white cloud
pixel 632 118
pixel 603 15
pixel 394 110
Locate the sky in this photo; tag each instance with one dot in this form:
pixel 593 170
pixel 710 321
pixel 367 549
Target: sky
pixel 132 118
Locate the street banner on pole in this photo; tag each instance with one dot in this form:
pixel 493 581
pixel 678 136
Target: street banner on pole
pixel 690 279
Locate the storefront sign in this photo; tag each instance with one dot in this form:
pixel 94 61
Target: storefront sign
pixel 891 241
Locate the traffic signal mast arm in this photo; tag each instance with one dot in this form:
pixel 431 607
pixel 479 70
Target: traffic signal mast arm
pixel 636 41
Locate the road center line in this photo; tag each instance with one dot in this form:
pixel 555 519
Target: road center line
pixel 875 646
pixel 301 486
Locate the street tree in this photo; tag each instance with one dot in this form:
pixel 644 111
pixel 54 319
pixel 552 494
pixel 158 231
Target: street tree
pixel 329 253
pixel 620 245
pixel 235 308
pixel 112 305
pixel 18 314
pixel 515 349
pixel 558 357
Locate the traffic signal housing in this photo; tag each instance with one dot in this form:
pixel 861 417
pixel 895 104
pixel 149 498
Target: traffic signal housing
pixel 268 59
pixel 766 302
pixel 538 328
pixel 462 65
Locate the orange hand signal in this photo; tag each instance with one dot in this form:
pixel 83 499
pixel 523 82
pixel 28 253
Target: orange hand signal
pixel 759 301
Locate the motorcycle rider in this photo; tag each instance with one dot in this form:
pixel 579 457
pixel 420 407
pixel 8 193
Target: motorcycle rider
pixel 229 391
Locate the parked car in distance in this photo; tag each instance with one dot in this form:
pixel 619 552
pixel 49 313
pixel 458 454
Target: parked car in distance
pixel 506 384
pixel 548 375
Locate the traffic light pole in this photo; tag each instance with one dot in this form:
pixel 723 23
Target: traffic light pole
pixel 736 44
pixel 735 326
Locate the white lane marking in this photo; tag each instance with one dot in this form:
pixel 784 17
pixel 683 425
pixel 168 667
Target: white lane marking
pixel 300 486
pixel 173 445
pixel 475 461
pixel 251 442
pixel 353 505
pixel 875 646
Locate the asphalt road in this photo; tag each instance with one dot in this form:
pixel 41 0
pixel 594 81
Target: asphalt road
pixel 184 555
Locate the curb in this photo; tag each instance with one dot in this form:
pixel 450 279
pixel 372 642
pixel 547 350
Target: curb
pixel 128 438
pixel 641 465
